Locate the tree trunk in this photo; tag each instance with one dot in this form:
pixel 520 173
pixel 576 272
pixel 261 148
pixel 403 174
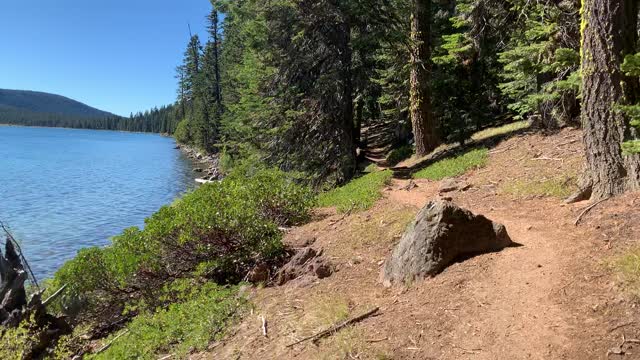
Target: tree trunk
pixel 420 97
pixel 214 35
pixel 609 33
pixel 349 152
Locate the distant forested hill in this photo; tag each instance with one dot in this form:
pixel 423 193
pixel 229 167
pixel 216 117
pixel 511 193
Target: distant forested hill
pixel 32 108
pixel 40 102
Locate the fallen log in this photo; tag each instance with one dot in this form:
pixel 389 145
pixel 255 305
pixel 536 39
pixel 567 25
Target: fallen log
pixel 336 328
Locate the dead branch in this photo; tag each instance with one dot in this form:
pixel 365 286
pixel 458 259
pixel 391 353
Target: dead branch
pixel 377 340
pixel 335 328
pixel 621 325
pixel 333 222
pixel 619 350
pixel 547 158
pixel 587 209
pixel 54 296
pixel 106 346
pixel 20 253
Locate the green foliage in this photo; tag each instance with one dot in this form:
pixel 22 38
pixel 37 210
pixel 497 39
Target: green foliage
pixel 541 62
pixel 631 67
pixel 197 314
pixel 16 342
pixel 183 133
pixel 455 166
pixel 359 194
pixel 232 225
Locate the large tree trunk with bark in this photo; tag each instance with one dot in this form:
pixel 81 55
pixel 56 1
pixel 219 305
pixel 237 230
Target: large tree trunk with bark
pixel 346 64
pixel 608 34
pixel 424 127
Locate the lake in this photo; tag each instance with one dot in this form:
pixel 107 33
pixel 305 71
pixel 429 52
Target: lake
pixel 62 189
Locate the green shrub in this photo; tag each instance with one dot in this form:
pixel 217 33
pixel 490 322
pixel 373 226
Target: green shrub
pixel 196 315
pixel 16 342
pixel 183 132
pixel 455 166
pixel 358 194
pixel 231 225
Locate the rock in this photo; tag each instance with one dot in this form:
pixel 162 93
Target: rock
pixel 449 185
pixel 306 262
pixel 410 186
pixel 441 233
pixel 198 170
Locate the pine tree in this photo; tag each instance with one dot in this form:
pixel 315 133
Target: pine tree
pixel 424 127
pixel 609 32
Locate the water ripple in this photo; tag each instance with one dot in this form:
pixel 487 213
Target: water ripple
pixel 62 190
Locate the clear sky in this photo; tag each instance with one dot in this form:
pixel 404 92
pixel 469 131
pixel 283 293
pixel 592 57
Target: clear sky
pixel 115 55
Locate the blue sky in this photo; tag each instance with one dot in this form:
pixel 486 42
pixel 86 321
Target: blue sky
pixel 116 55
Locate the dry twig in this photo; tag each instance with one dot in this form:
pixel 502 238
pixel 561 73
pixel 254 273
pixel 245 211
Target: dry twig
pixel 621 325
pixel 106 346
pixel 332 330
pixel 587 209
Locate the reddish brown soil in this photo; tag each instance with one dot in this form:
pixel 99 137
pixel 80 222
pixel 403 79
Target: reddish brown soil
pixel 553 297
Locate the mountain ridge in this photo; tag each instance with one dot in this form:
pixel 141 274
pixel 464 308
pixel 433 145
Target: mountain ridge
pixel 48 103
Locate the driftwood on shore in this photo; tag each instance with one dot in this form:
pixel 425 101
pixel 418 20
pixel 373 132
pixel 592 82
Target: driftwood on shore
pixel 16 307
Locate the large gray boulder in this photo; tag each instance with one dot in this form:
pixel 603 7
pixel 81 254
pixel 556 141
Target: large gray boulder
pixel 441 233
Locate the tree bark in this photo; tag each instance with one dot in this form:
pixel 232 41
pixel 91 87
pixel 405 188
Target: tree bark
pixel 608 34
pixel 424 127
pixel 349 162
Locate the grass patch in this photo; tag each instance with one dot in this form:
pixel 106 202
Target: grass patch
pixel 200 315
pixel 456 166
pixel 399 154
pixel 556 187
pixel 628 267
pixel 371 168
pixel 500 130
pixel 358 194
pixel 382 227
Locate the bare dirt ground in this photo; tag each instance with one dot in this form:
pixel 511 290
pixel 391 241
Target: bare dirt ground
pixel 553 297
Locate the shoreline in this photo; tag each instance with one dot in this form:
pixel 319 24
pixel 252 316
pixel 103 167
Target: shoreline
pixel 205 165
pixel 72 128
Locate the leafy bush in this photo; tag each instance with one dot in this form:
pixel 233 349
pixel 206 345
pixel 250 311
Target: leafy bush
pixel 359 194
pixel 456 166
pixel 182 133
pixel 197 314
pixel 231 225
pixel 15 342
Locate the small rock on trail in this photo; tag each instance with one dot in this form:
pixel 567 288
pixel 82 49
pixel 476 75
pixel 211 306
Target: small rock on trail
pixel 441 233
pixel 306 262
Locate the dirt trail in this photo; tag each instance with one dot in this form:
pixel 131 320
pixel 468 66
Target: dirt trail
pixel 551 297
pixel 509 308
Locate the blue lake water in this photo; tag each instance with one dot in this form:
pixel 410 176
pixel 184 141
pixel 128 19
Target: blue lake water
pixel 63 189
